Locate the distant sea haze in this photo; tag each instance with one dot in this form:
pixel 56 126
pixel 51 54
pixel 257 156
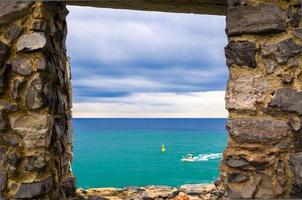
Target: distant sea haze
pixel 127 152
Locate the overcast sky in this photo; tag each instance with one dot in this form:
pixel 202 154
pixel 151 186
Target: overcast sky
pixel 146 64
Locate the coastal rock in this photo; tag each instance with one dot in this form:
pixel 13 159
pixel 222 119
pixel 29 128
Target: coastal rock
pixel 22 66
pixel 32 190
pixel 296 168
pixel 35 96
pixel 281 51
pixel 196 189
pixel 158 191
pixel 266 188
pixel 241 54
pixel 287 100
pixel 12 10
pixel 31 42
pixel 251 130
pixel 259 19
pixel 236 163
pixel 34 129
pixel 246 190
pixel 244 92
pixel 236 178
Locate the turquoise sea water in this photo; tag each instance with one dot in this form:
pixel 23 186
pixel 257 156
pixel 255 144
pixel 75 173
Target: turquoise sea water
pixel 127 152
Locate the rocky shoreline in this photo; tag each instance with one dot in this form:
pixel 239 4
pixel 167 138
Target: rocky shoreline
pixel 185 192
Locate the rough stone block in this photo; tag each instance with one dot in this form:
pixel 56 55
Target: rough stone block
pixel 251 130
pixel 281 51
pixel 287 100
pixel 34 128
pixel 236 163
pixel 236 178
pixel 31 42
pixel 32 190
pixel 35 162
pixel 13 10
pixel 4 70
pixel 259 19
pixel 241 54
pixel 22 66
pixel 3 180
pixel 13 32
pixel 296 168
pixel 18 84
pixel 245 92
pixel 35 97
pixel 4 52
pixel 245 190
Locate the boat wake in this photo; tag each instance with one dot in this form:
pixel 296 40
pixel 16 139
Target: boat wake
pixel 203 157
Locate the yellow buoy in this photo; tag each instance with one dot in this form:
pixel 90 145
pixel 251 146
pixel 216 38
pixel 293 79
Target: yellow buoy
pixel 163 148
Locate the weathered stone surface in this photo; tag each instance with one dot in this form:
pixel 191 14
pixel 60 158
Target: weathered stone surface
pixel 3 122
pixel 3 180
pixel 35 162
pixel 245 92
pixel 298 33
pixel 245 190
pixel 35 97
pixel 34 129
pixel 294 14
pixel 259 19
pixel 296 168
pixel 4 52
pixel 251 130
pixel 11 139
pixel 12 10
pixel 22 66
pixel 287 100
pixel 236 163
pixel 4 70
pixel 41 63
pixel 271 66
pixel 69 186
pixel 295 122
pixel 241 54
pixel 266 188
pixel 13 32
pixel 32 190
pixel 31 42
pixel 232 3
pixel 18 84
pixel 281 51
pixel 39 25
pixel 236 178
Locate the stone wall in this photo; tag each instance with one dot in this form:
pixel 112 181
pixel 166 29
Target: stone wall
pixel 263 158
pixel 35 102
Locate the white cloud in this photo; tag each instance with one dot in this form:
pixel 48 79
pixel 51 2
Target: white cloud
pixel 115 36
pixel 144 105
